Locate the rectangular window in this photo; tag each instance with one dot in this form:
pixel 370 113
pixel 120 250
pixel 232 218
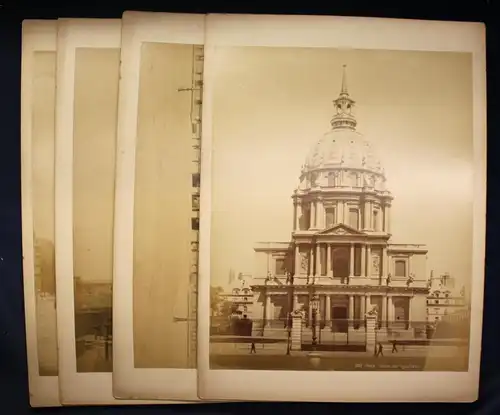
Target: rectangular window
pixel 195 202
pixel 354 218
pixel 196 180
pixel 195 224
pixel 400 269
pixel 280 266
pixel 329 217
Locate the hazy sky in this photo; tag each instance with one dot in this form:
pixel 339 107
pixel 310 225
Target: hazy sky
pixel 43 138
pixel 270 105
pixel 94 141
pixel 162 206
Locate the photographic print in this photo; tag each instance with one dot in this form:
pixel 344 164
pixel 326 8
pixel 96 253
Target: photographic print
pixel 97 73
pixel 157 204
pixel 87 102
pixel 342 196
pixel 38 132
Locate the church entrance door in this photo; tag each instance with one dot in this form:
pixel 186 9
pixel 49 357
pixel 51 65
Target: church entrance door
pixel 400 314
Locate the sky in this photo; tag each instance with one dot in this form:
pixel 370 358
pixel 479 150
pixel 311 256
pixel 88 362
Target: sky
pixel 94 145
pixel 270 105
pixel 43 139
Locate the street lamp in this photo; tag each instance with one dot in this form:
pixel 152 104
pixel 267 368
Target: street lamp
pixel 315 307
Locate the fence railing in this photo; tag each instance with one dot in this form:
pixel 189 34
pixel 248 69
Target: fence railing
pixel 393 329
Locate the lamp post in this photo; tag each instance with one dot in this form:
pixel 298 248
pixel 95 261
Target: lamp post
pixel 315 307
pixel 289 334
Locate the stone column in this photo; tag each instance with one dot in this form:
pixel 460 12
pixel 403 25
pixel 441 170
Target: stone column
pixel 268 309
pixel 368 261
pixel 298 214
pixel 329 260
pixel 409 267
pixel 366 215
pixel 363 260
pixel 297 261
pixel 320 214
pixel 328 308
pixel 383 264
pixel 362 307
pixel 318 260
pixel 367 303
pixel 296 334
pixel 312 219
pixel 387 218
pixel 384 311
pixel 340 212
pixel 371 338
pixel 351 260
pixel 389 310
pixel 351 310
pixel 295 302
pixel 309 314
pixel 409 312
pixel 311 261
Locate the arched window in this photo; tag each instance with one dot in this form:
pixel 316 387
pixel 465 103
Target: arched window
pixel 236 291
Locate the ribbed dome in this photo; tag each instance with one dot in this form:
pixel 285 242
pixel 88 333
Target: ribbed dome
pixel 345 148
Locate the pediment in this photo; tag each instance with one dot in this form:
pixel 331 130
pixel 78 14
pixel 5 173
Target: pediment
pixel 340 229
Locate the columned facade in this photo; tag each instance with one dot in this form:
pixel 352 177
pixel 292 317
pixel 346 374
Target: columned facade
pixel 340 252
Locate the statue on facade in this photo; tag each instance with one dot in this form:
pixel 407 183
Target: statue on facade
pixel 299 313
pixel 373 312
pixel 411 278
pixel 389 278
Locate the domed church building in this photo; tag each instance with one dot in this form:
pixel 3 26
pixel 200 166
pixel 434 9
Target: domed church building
pixel 340 252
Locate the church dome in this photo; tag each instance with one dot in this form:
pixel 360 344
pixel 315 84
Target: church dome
pixel 343 148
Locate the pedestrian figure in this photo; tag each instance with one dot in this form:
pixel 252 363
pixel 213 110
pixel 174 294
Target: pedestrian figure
pixel 379 350
pixel 252 348
pixel 394 348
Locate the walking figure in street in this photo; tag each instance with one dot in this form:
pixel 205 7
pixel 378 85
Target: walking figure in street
pixel 394 348
pixel 252 348
pixel 379 350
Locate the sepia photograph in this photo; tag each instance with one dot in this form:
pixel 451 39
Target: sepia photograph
pixel 167 147
pixel 342 200
pixel 43 120
pixel 38 89
pixel 88 70
pixel 94 148
pixel 157 207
